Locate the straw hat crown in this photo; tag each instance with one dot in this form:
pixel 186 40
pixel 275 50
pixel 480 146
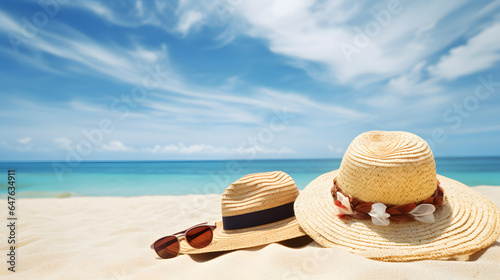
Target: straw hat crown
pixel 391 167
pixel 256 192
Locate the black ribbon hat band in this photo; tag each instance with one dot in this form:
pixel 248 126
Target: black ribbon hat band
pixel 259 218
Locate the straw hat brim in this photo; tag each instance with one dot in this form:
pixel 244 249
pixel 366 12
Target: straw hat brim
pixel 466 223
pixel 228 240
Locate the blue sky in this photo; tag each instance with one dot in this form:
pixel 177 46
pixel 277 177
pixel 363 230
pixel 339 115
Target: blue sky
pixel 233 79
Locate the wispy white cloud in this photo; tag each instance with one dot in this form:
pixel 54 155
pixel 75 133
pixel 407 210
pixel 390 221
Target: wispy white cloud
pixel 414 82
pixel 139 7
pixel 121 64
pixel 84 107
pixel 128 13
pixel 10 26
pixel 183 149
pixel 116 146
pixel 231 83
pixel 114 61
pixel 188 20
pixel 63 142
pixel 479 53
pixel 24 145
pixel 99 9
pixel 174 17
pixel 265 150
pixel 337 150
pixel 314 32
pixel 18 148
pixel 220 113
pixel 302 104
pixel 311 33
pixel 209 149
pixel 24 140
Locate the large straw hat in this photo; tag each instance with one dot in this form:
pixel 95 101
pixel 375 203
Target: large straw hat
pixel 256 210
pixel 390 169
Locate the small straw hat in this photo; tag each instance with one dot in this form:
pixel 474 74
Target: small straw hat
pixel 256 210
pixel 394 172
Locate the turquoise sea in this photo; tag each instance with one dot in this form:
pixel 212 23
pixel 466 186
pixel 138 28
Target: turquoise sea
pixel 136 178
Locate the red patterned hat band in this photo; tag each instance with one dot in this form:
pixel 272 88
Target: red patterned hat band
pixel 347 207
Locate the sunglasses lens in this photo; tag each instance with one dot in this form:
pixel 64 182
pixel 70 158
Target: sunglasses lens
pixel 167 247
pixel 199 237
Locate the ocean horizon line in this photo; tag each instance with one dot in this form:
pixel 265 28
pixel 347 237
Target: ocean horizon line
pixel 169 177
pixel 218 160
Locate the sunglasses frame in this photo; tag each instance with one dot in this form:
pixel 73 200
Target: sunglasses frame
pixel 182 234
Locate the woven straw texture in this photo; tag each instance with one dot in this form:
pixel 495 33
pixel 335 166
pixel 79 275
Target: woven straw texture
pixel 252 193
pixel 372 166
pixel 466 222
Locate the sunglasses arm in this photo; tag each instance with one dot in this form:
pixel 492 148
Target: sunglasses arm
pixel 183 231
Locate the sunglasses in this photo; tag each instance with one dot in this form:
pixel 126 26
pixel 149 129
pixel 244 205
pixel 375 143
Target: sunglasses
pixel 198 236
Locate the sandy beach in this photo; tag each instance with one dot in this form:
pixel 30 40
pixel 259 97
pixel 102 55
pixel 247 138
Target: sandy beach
pixel 109 238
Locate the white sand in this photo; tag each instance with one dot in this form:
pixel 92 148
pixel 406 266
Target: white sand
pixel 109 238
